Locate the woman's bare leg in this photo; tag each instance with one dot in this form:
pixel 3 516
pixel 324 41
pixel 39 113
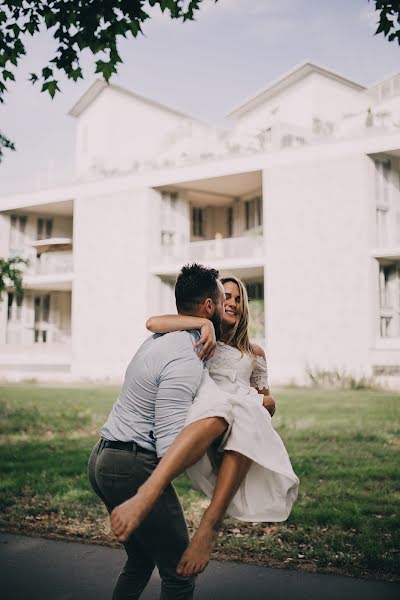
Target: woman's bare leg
pixel 188 447
pixel 233 470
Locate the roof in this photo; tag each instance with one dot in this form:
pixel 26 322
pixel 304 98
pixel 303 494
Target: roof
pixel 98 86
pixel 293 76
pixel 386 78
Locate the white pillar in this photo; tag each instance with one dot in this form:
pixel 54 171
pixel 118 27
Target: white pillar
pixel 113 234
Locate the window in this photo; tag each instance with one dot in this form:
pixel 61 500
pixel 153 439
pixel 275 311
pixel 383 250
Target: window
pixel 44 229
pixel 386 326
pixel 14 308
pixel 389 300
pixel 382 226
pixel 255 290
pixel 169 218
pixel 382 178
pixel 42 318
pixel 382 199
pixel 258 215
pixel 265 137
pixel 197 221
pixel 17 233
pixel 167 238
pixel 229 221
pixel 253 213
pixel 249 207
pixel 10 303
pixel 289 139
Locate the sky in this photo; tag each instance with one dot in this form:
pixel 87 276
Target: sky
pixel 204 68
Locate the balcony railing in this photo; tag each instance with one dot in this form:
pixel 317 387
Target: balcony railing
pixel 51 263
pixel 238 248
pixel 32 359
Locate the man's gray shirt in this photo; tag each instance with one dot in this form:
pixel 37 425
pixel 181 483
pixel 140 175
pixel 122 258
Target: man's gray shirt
pixel 160 384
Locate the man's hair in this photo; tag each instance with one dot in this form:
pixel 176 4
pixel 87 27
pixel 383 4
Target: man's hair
pixel 194 284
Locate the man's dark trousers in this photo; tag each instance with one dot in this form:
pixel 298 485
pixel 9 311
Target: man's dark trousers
pixel 115 475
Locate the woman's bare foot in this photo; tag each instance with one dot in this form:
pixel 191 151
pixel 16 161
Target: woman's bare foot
pixel 127 517
pixel 197 556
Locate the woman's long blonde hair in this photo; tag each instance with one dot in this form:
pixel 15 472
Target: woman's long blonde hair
pixel 239 337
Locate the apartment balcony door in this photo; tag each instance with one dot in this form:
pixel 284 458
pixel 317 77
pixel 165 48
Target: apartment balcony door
pixel 174 224
pixel 17 235
pixel 42 315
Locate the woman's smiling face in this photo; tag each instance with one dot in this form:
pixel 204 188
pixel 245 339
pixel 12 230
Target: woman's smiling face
pixel 231 304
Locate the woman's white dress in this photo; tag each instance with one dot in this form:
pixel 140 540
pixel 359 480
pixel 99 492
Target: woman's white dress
pixel 270 487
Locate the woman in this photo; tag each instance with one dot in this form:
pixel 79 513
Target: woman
pixel 249 474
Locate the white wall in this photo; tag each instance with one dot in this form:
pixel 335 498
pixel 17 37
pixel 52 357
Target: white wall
pixel 118 132
pixel 112 237
pixel 318 267
pixel 313 96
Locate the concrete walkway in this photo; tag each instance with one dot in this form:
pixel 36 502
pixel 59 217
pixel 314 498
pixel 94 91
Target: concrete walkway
pixel 34 568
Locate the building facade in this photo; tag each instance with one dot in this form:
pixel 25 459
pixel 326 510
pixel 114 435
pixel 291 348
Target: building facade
pixel 299 195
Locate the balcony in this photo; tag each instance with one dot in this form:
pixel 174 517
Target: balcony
pixel 386 255
pixel 221 253
pixel 31 360
pixel 51 269
pixel 51 263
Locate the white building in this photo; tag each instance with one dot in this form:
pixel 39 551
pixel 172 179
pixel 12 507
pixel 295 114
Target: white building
pixel 299 195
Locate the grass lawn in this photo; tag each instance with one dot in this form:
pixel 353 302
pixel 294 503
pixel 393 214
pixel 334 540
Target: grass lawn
pixel 344 447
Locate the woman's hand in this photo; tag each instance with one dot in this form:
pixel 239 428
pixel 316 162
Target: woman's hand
pixel 269 404
pixel 208 341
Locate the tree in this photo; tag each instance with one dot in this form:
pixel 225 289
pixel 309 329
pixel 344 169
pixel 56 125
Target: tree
pixel 389 19
pixel 11 276
pixel 96 25
pixel 5 143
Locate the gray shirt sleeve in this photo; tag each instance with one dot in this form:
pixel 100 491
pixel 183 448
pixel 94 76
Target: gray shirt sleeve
pixel 178 383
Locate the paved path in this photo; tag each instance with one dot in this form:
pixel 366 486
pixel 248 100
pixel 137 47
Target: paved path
pixel 34 568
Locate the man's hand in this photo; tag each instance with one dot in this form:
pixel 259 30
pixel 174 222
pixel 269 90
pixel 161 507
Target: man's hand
pixel 269 404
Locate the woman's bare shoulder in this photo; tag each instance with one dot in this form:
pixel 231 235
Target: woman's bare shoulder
pixel 258 350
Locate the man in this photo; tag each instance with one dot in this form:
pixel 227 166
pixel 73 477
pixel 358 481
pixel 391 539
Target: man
pixel 160 384
pixel 159 387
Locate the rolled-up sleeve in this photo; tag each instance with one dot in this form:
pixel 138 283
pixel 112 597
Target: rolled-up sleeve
pixel 178 383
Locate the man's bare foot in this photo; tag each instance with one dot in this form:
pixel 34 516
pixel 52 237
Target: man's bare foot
pixel 127 517
pixel 197 556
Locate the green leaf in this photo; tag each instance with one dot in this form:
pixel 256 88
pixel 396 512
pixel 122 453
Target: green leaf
pixel 106 68
pixel 31 27
pixel 50 18
pixel 8 75
pixel 77 25
pixel 51 87
pixel 75 74
pixel 47 72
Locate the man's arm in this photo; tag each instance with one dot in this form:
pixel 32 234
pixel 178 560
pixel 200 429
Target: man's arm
pixel 179 381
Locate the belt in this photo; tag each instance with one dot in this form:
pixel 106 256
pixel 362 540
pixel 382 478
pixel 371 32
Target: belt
pixel 127 446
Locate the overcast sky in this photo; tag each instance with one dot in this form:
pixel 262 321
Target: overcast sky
pixel 234 49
